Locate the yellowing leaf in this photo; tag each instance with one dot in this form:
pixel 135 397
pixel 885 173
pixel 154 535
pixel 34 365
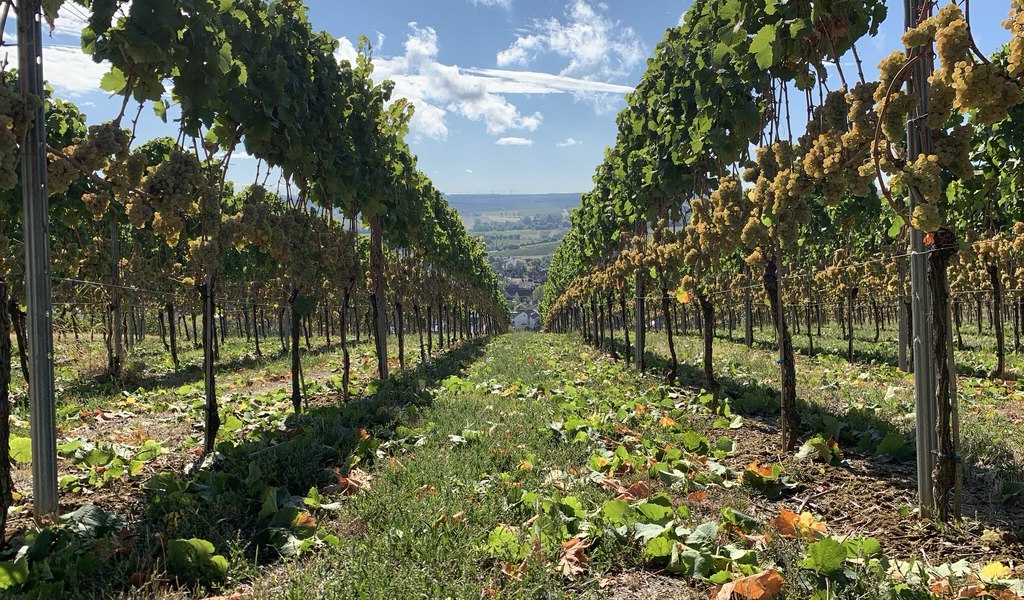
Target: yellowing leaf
pixel 803 526
pixel 994 571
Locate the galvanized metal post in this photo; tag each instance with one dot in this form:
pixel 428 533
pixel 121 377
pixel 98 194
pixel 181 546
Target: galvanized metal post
pixel 919 141
pixel 36 227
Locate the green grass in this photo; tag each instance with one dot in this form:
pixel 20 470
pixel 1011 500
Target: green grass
pixel 992 412
pixel 478 467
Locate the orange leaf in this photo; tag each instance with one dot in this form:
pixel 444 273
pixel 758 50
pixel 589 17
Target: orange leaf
pixel 305 520
pixel 939 587
pixel 666 421
pixel 637 491
pixel 697 496
pixel 763 470
pixel 929 238
pixel 803 526
pixel 763 586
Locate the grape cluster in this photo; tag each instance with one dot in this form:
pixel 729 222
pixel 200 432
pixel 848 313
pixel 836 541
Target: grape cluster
pixel 16 112
pixel 986 89
pixel 941 97
pixel 983 87
pixel 60 174
pixel 102 143
pixel 1015 23
pixel 171 190
pixel 97 203
pixel 952 36
pixel 953 149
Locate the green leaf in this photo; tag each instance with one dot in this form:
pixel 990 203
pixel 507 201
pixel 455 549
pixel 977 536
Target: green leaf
pixel 824 556
pixel 150 449
pixel 113 81
pixel 21 450
pixel 657 508
pixel 762 46
pixel 13 573
pixel 160 110
pixel 658 547
pixel 615 511
pixel 503 542
pixel 863 547
pixel 647 531
pixel 744 522
pixel 97 457
pixel 703 535
pixel 194 560
pixel 897 226
pixel 232 423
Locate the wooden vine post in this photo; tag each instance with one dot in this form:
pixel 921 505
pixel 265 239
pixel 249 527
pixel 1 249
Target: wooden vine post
pixel 36 224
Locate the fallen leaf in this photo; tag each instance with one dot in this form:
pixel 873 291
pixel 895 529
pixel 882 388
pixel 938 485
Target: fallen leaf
pixel 762 586
pixel 803 526
pixel 573 558
pixel 971 591
pixel 637 491
pixel 763 470
pixel 697 496
pixel 994 571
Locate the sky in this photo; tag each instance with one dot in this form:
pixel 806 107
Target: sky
pixel 511 96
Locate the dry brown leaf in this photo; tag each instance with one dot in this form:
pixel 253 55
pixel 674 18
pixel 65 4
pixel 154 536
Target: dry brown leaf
pixel 763 470
pixel 638 491
pixel 574 558
pixel 762 586
pixel 697 496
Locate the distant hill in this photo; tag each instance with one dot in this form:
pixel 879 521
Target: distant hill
pixel 522 204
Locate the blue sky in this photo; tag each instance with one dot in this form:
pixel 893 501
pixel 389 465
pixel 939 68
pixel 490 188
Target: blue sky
pixel 511 95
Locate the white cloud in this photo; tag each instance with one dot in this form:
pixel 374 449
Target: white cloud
pixel 470 171
pixel 506 4
pixel 346 51
pixel 503 81
pixel 439 90
pixel 514 141
pixel 66 68
pixel 568 142
pixel 594 46
pixel 70 20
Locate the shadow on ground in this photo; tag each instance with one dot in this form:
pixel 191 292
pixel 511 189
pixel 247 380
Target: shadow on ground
pixel 248 499
pixel 882 465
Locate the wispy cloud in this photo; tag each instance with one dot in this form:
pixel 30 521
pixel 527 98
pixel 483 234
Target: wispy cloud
pixel 514 141
pixel 568 142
